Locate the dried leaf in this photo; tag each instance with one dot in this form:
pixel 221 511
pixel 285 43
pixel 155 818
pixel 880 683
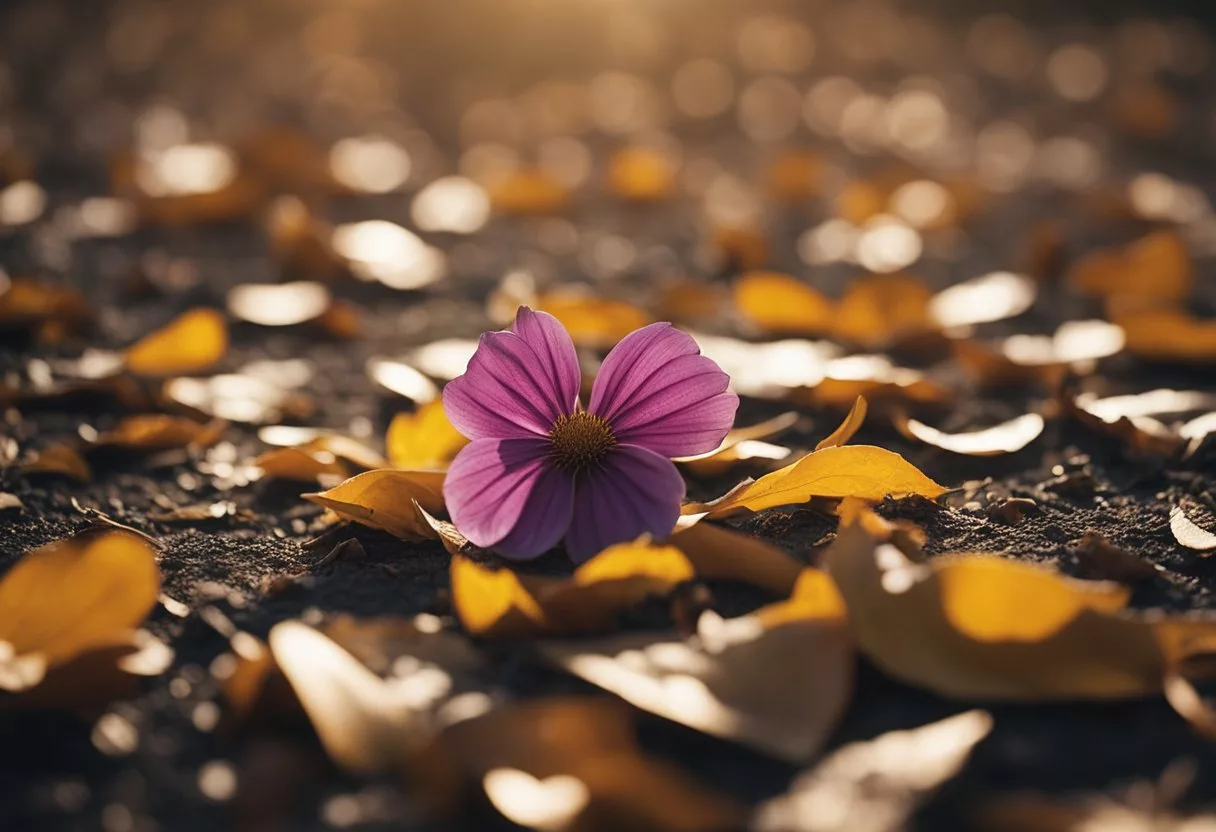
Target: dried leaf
pixel 157 432
pixel 72 597
pixel 279 304
pixel 1005 438
pixel 1142 434
pixel 423 439
pixel 876 378
pixel 32 305
pixel 504 603
pixel 1155 267
pixel 691 302
pixel 193 342
pixel 781 303
pixel 1167 334
pixel 592 321
pixel 719 553
pixel 565 765
pixel 1101 560
pixel 641 174
pixel 1190 534
pixel 846 429
pixel 385 499
pixel 58 459
pixel 983 627
pixel 528 192
pixel 990 297
pixel 741 444
pixel 720 682
pixel 878 309
pixel 863 471
pixel 327 456
pixel 875 785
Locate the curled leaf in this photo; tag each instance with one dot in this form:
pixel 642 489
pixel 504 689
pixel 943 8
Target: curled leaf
pixel 193 342
pixel 846 429
pixel 1189 533
pixel 326 456
pixel 384 499
pixel 1005 438
pixel 59 459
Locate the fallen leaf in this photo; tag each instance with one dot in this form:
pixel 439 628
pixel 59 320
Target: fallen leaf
pixel 990 297
pixel 1189 533
pixel 368 724
pixel 1005 438
pixel 157 432
pixel 740 444
pixel 592 321
pixel 528 192
pixel 1155 267
pixel 641 174
pixel 878 309
pixel 781 303
pixel 739 247
pixel 402 379
pixel 719 553
pixel 984 627
pixel 243 397
pixel 58 459
pixel 327 456
pixel 279 304
pixel 423 439
pixel 846 429
pixel 73 597
pixel 384 499
pixel 1167 334
pixel 193 342
pixel 1101 560
pixel 1142 433
pixel 875 785
pixel 564 765
pixel 863 471
pixel 504 603
pixel 872 376
pixel 718 682
pixel 32 305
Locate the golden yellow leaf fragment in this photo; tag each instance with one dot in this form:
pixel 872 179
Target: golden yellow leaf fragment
pixel 61 459
pixel 780 303
pixel 1156 267
pixel 423 439
pixel 718 682
pixel 564 765
pixel 528 192
pixel 71 597
pixel 863 471
pixel 983 627
pixel 504 603
pixel 641 174
pixel 875 785
pixel 1189 533
pixel 880 308
pixel 158 432
pixel 384 499
pixel 1005 438
pixel 330 455
pixel 846 429
pixel 719 553
pixel 193 342
pixel 1167 334
pixel 592 321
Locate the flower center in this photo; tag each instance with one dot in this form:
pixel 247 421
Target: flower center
pixel 579 441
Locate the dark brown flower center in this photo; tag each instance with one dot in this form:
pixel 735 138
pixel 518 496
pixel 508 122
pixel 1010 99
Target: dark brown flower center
pixel 579 441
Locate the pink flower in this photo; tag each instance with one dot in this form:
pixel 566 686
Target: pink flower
pixel 540 468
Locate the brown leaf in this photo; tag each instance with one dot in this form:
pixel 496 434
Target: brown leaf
pixel 722 554
pixel 983 627
pixel 157 432
pixel 1189 533
pixel 565 765
pixel 423 439
pixel 1142 433
pixel 528 192
pixel 796 175
pixel 1005 438
pixel 1168 334
pixel 193 342
pixel 326 456
pixel 384 499
pixel 1155 267
pixel 31 305
pixel 721 682
pixel 72 597
pixel 875 785
pixel 59 459
pixel 1101 560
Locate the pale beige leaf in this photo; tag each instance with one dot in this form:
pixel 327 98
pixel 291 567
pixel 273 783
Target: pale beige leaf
pixel 1190 534
pixel 1005 438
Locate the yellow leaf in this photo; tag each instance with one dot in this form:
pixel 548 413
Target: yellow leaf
pixel 719 553
pixel 845 431
pixel 641 174
pixel 320 457
pixel 528 192
pixel 722 683
pixel 983 627
pixel 862 471
pixel 1168 334
pixel 384 499
pixel 877 309
pixel 61 459
pixel 1157 267
pixel 780 303
pixel 592 321
pixel 195 341
pixel 501 602
pixel 75 595
pixel 423 439
pixel 157 432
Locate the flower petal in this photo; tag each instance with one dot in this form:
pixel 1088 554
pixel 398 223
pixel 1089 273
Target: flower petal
pixel 506 392
pixel 504 494
pixel 635 491
pixel 658 391
pixel 558 359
